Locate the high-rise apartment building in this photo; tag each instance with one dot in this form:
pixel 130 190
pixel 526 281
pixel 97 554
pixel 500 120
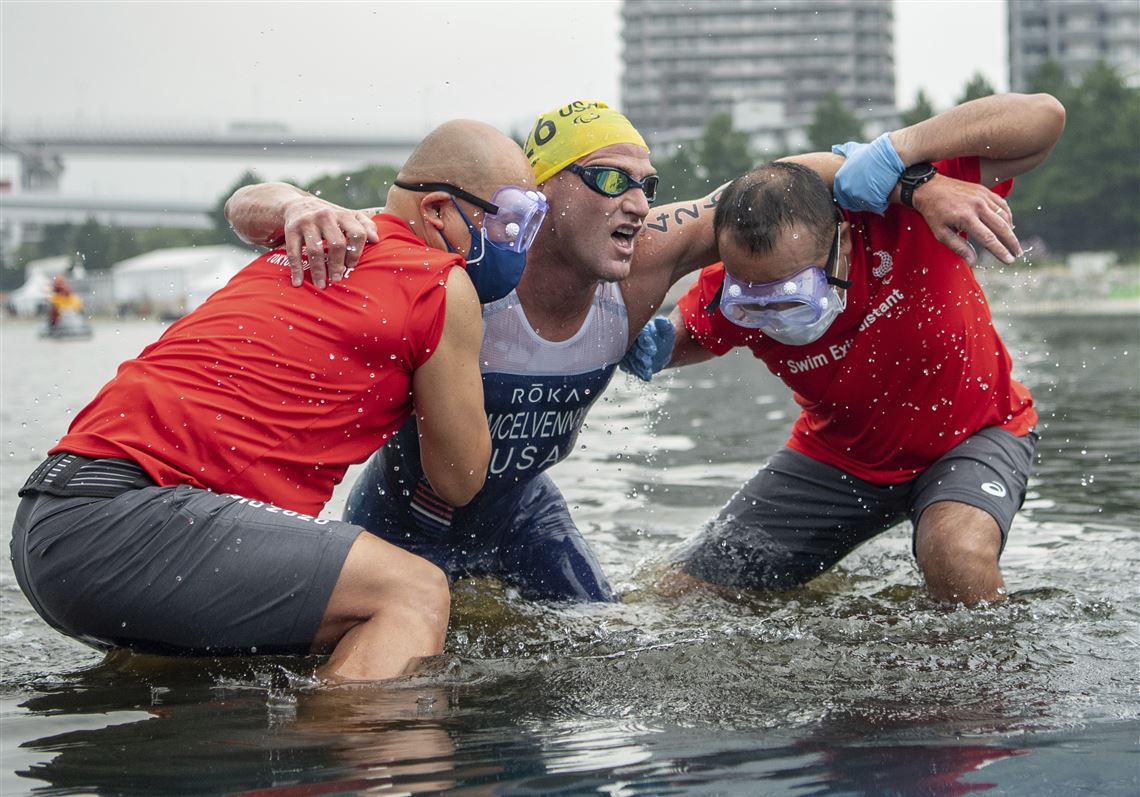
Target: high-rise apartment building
pixel 769 63
pixel 1074 33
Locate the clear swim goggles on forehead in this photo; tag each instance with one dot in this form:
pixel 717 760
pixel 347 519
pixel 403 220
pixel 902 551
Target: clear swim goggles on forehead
pixel 796 300
pixel 512 217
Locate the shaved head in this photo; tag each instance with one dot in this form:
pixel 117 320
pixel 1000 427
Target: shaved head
pixel 471 155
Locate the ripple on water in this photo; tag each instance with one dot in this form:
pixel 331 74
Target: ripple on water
pixel 788 660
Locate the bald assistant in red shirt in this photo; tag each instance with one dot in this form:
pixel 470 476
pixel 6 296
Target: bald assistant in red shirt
pixel 276 404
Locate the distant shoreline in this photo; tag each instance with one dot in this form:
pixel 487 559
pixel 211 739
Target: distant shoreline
pixel 1057 290
pixel 1040 291
pixel 1073 307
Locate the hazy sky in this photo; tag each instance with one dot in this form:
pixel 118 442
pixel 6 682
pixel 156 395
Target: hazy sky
pixel 366 68
pixel 379 66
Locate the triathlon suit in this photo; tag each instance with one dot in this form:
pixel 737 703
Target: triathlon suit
pixel 518 528
pixel 906 400
pixel 178 514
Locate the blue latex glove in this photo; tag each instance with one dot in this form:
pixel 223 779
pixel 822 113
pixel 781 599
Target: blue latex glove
pixel 866 180
pixel 652 349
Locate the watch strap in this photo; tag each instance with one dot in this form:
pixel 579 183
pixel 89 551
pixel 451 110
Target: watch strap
pixel 912 177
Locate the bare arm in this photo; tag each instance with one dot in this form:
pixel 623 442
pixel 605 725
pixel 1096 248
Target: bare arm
pixel 686 351
pixel 455 444
pixel 1010 133
pixel 269 214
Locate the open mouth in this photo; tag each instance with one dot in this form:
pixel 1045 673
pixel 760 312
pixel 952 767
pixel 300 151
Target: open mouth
pixel 624 236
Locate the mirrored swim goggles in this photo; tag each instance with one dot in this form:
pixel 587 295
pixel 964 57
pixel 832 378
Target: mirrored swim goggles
pixel 512 217
pixel 796 300
pixel 611 181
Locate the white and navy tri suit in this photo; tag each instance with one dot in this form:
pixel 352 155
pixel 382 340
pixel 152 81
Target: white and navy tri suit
pixel 536 394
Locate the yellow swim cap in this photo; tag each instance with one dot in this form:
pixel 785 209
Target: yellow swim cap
pixel 564 135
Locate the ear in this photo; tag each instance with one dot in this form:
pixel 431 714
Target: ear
pixel 432 208
pixel 845 239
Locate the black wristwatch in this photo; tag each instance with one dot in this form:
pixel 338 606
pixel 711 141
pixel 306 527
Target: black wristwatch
pixel 912 177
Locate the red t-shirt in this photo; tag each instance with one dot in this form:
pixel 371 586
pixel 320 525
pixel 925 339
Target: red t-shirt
pixel 912 367
pixel 271 391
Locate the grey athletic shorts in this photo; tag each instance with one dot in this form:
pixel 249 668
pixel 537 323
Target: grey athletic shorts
pixel 797 517
pixel 178 570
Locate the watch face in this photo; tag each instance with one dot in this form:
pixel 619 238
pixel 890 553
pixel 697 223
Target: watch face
pixel 919 171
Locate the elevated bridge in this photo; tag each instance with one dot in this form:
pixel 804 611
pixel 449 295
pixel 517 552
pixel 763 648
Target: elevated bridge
pixel 42 153
pixel 238 141
pixel 55 209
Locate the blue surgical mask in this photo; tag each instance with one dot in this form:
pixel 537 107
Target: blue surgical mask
pixel 494 270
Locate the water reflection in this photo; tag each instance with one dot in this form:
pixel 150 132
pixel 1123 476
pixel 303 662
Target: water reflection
pixel 900 771
pixel 208 735
pixel 381 740
pixel 239 726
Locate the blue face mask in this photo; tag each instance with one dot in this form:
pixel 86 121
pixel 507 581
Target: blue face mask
pixel 494 270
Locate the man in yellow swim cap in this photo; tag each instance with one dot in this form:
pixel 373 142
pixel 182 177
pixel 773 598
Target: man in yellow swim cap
pixel 596 273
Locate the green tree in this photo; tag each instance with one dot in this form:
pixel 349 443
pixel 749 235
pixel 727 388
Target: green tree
pixel 922 109
pixel 12 270
pixel 55 239
pixel 1049 78
pixel 719 155
pixel 680 177
pixel 360 189
pixel 977 87
pixel 97 247
pixel 723 152
pixel 145 239
pixel 1085 196
pixel 833 124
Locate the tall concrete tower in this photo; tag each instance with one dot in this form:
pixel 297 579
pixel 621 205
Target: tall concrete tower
pixel 768 63
pixel 1074 33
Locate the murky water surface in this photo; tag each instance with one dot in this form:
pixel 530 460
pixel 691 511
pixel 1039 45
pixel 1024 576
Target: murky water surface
pixel 854 684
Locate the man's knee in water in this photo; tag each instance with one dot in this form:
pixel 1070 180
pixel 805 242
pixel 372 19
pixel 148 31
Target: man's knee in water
pixel 957 547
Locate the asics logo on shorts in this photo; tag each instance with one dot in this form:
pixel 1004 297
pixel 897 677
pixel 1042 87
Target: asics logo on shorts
pixel 994 488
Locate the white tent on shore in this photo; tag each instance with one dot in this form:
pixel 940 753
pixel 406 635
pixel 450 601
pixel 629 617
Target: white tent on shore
pixel 175 281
